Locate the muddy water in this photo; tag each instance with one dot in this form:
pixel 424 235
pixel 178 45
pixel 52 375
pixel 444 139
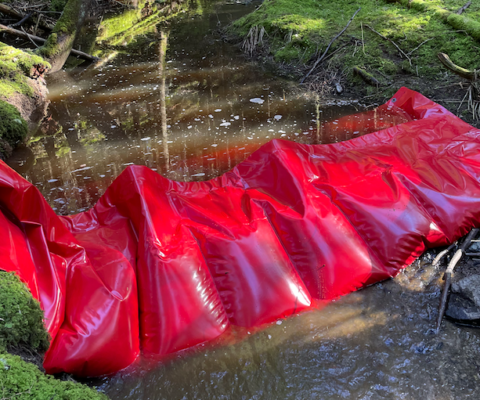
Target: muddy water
pixel 188 106
pixel 373 344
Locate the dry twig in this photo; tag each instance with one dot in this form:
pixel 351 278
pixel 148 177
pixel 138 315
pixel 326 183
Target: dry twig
pixel 420 45
pixel 319 60
pixel 29 38
pixel 392 42
pixel 442 254
pixel 461 10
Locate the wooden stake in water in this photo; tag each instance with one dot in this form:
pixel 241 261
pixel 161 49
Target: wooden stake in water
pixel 448 275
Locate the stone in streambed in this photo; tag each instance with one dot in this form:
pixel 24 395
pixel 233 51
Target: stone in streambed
pixel 464 303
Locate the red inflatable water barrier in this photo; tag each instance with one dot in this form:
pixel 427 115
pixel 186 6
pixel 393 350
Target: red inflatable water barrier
pixel 161 266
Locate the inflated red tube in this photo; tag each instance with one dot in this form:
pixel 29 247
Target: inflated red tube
pixel 163 265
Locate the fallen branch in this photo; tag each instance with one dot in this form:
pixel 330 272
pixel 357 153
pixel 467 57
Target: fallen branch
pixel 29 38
pixel 448 274
pixel 392 42
pixel 4 9
pixel 420 45
pixel 24 35
pixel 20 23
pixel 442 254
pixel 464 73
pixel 319 60
pixel 335 52
pixel 368 78
pixel 461 10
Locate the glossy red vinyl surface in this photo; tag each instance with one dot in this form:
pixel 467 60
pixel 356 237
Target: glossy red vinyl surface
pixel 161 266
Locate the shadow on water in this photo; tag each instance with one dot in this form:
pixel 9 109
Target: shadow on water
pixel 187 105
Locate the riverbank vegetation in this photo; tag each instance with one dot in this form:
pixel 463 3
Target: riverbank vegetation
pixel 22 332
pixel 44 45
pixel 396 42
pixel 22 69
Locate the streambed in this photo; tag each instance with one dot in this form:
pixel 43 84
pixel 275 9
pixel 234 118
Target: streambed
pixel 189 106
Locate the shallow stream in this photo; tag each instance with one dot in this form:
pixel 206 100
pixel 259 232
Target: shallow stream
pixel 183 103
pixel 189 106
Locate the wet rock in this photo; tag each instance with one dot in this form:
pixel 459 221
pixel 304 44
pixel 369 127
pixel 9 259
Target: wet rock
pixel 464 303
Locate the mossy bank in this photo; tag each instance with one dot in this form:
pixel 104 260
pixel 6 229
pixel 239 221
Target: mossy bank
pixel 295 33
pixel 22 331
pixel 13 128
pixel 23 95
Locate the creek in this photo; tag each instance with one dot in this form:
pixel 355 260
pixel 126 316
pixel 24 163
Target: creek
pixel 189 106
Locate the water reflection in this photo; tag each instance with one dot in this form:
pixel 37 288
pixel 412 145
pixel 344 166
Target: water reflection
pixel 187 105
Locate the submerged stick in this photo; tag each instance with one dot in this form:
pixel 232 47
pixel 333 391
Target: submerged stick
pixel 448 275
pixel 328 47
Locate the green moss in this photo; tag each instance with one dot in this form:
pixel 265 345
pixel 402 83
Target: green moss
pixel 465 24
pixel 50 46
pixel 66 25
pixel 406 67
pixel 296 30
pixel 21 315
pixel 24 381
pixel 13 59
pixel 15 67
pixel 13 129
pixel 388 67
pixel 22 324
